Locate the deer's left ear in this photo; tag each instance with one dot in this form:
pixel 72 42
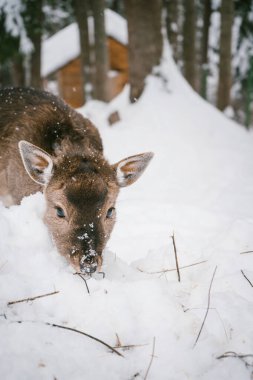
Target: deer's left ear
pixel 37 162
pixel 131 168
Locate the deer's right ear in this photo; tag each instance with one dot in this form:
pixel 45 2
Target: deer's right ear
pixel 37 163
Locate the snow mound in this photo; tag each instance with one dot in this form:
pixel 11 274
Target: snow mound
pixel 199 186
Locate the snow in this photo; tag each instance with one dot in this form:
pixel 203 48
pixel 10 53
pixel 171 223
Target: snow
pixel 64 46
pixel 198 186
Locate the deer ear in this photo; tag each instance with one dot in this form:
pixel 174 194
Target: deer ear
pixel 131 168
pixel 37 163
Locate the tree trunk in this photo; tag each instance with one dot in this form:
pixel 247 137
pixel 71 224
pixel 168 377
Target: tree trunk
pixel 33 19
pixel 172 25
pixel 18 72
pixel 81 13
pixel 101 51
pixel 227 10
pixel 189 49
pixel 144 41
pixel 204 47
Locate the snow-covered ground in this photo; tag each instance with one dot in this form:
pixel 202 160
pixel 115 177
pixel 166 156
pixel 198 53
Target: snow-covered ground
pixel 199 186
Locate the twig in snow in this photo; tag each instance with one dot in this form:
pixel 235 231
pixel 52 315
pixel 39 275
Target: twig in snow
pixel 173 269
pixel 32 298
pixel 208 307
pixel 79 275
pixel 244 275
pixel 245 252
pixel 78 332
pixel 175 252
pixel 231 354
pixel 151 360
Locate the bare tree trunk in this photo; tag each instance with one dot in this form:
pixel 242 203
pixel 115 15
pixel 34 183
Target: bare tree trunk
pixel 227 10
pixel 33 17
pixel 189 42
pixel 145 41
pixel 101 51
pixel 172 25
pixel 81 13
pixel 204 47
pixel 18 72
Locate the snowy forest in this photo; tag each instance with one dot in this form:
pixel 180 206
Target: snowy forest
pixel 162 86
pixel 211 43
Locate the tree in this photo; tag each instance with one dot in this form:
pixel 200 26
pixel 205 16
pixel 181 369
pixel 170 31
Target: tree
pixel 80 8
pixel 171 7
pixel 144 41
pixel 101 51
pixel 224 86
pixel 33 20
pixel 189 48
pixel 204 46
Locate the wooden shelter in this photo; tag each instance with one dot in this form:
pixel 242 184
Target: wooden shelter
pixel 61 63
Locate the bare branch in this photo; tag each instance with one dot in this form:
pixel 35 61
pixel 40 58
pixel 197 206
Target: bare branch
pixel 175 252
pixel 244 275
pixel 32 298
pixel 245 252
pixel 208 307
pixel 151 360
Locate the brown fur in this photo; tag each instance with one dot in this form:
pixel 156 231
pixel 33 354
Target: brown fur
pixel 82 186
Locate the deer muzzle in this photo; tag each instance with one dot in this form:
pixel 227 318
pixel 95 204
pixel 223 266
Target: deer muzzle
pixel 89 262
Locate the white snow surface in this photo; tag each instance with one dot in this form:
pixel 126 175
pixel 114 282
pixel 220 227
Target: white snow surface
pixel 64 46
pixel 199 186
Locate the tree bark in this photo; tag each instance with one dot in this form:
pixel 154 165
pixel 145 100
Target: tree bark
pixel 204 47
pixel 227 10
pixel 81 13
pixel 189 42
pixel 33 18
pixel 144 41
pixel 101 51
pixel 172 25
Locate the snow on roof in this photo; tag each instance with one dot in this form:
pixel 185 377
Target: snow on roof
pixel 64 46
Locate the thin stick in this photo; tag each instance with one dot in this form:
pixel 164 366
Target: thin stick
pixel 244 275
pixel 208 307
pixel 173 269
pixel 175 251
pixel 151 360
pixel 88 290
pixel 231 354
pixel 32 298
pixel 78 332
pixel 245 252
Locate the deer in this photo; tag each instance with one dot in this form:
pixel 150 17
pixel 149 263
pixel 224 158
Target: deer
pixel 47 146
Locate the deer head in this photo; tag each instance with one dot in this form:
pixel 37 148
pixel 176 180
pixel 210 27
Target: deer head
pixel 80 192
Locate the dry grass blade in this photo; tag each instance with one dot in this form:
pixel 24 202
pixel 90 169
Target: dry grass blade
pixel 173 269
pixel 76 331
pixel 244 275
pixel 176 258
pixel 242 357
pixel 208 307
pixel 151 360
pixel 32 298
pixel 79 275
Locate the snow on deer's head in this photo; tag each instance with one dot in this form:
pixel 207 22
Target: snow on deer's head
pixel 80 193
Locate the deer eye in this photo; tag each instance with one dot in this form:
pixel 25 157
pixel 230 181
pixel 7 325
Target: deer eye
pixel 110 212
pixel 59 212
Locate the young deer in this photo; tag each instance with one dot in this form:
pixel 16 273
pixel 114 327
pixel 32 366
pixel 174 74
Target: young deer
pixel 62 154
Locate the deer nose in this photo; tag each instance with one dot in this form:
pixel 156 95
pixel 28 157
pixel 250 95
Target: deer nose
pixel 88 262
